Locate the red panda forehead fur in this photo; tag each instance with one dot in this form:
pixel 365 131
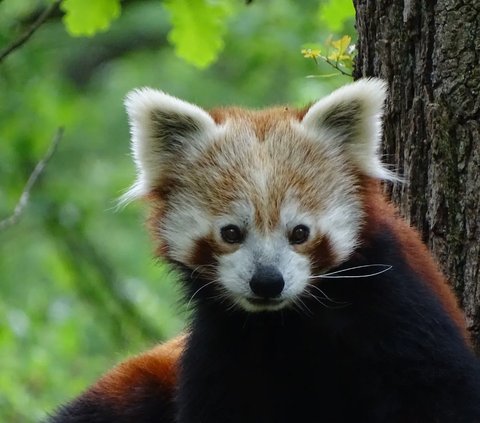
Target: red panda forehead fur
pixel 259 120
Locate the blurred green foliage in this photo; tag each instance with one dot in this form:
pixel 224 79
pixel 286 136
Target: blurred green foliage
pixel 86 17
pixel 79 287
pixel 334 13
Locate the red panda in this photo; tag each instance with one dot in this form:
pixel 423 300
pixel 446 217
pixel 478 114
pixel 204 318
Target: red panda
pixel 313 300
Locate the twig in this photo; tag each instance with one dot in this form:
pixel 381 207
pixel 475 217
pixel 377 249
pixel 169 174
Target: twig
pixel 37 171
pixel 336 65
pixel 23 38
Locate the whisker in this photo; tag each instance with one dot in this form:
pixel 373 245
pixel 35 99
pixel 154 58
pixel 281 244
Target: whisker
pixel 342 304
pixel 302 307
pixel 233 305
pixel 222 297
pixel 297 307
pixel 325 296
pixel 247 317
pixel 318 300
pixel 202 267
pixel 310 311
pixel 335 275
pixel 197 291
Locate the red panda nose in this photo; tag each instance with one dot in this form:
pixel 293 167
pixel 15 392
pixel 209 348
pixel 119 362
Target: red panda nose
pixel 267 282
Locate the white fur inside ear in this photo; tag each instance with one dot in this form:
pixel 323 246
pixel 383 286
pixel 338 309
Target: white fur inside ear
pixel 351 117
pixel 164 129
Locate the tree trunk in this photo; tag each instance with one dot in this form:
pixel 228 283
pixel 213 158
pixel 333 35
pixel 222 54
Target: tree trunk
pixel 428 51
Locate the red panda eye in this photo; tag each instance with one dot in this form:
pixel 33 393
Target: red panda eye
pixel 232 234
pixel 299 234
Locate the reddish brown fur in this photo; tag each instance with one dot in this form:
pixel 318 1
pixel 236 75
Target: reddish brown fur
pixel 206 249
pixel 262 120
pixel 157 367
pixel 157 212
pixel 381 213
pixel 320 252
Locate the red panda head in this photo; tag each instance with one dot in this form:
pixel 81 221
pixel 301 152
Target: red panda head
pixel 257 202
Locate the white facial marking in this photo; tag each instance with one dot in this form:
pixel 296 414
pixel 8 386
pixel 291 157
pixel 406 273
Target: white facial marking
pixel 181 228
pixel 342 226
pixel 237 269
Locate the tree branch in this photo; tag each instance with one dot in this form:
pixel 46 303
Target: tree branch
pixel 37 171
pixel 24 37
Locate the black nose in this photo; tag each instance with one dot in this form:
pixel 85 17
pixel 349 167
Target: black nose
pixel 267 282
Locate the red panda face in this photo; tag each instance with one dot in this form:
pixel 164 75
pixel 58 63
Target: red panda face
pixel 257 202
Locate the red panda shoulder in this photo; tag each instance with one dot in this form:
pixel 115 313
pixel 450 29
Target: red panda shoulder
pixel 380 213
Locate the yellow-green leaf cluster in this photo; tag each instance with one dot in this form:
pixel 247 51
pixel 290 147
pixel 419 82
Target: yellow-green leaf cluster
pixel 338 53
pixel 311 53
pixel 341 51
pixel 87 17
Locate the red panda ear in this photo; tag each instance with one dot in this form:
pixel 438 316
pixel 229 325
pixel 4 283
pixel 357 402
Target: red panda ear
pixel 164 131
pixel 351 118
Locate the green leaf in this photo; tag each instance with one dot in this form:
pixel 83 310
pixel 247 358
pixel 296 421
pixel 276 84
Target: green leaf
pixel 87 17
pixel 198 28
pixel 333 13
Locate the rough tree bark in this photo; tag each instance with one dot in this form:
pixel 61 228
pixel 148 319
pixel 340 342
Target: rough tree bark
pixel 428 51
